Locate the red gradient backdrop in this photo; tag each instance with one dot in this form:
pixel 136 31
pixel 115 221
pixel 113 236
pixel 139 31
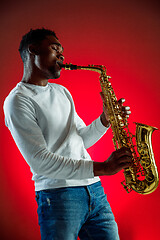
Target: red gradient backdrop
pixel 122 35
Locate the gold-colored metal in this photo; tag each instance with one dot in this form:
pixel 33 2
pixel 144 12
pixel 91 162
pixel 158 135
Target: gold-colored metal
pixel 142 176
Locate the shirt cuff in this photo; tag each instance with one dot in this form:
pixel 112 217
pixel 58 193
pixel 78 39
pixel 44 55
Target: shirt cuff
pixel 100 127
pixel 88 165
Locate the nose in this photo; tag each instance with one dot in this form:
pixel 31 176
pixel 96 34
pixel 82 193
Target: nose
pixel 61 57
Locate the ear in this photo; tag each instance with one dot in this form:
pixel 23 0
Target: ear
pixel 32 49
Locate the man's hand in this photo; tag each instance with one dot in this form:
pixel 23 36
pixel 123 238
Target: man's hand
pixel 125 109
pixel 105 116
pixel 117 161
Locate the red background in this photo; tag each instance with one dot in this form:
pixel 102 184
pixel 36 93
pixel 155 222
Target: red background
pixel 122 35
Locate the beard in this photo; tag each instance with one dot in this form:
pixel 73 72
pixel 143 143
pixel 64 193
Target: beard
pixel 54 72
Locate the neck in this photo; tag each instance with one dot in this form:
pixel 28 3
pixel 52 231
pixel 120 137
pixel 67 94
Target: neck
pixel 34 81
pixel 33 77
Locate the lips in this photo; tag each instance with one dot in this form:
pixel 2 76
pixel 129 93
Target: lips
pixel 60 64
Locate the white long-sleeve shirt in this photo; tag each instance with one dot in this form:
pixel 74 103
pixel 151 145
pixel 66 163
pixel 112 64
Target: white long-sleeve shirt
pixel 51 136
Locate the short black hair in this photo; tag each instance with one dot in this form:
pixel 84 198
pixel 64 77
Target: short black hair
pixel 33 37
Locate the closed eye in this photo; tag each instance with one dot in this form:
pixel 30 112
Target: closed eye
pixel 55 48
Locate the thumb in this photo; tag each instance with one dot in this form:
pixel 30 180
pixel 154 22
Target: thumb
pixel 102 96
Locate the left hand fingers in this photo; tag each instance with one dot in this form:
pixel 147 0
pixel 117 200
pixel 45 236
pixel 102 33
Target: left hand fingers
pixel 125 109
pixel 121 101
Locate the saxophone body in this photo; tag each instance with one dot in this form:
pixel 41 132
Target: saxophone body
pixel 142 175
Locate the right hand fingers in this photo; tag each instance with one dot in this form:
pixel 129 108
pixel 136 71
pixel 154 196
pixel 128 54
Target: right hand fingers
pixel 118 160
pixel 123 157
pixel 125 164
pixel 122 154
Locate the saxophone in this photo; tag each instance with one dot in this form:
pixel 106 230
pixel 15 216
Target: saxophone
pixel 142 175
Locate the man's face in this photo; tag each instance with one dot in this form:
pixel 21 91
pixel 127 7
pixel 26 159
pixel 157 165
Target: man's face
pixel 50 51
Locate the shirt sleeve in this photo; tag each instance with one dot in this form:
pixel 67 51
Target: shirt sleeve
pixel 91 133
pixel 20 118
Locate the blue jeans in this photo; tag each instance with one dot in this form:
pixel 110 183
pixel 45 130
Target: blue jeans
pixel 66 213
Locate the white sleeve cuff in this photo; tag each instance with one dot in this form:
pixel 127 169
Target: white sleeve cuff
pixel 99 126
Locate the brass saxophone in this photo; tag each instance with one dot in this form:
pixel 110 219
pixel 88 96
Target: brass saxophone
pixel 142 175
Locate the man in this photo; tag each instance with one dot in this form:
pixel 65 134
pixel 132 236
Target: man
pixel 53 140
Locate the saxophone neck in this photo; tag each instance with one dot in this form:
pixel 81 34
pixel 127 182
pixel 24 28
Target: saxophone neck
pixel 95 68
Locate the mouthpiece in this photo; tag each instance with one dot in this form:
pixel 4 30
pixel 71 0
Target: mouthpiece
pixel 69 66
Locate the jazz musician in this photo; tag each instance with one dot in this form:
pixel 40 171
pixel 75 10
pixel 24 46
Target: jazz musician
pixel 53 140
